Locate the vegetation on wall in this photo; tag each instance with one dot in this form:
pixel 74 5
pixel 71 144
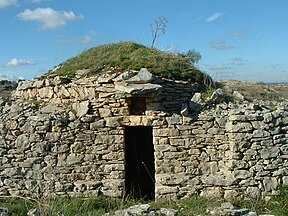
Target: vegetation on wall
pixel 124 56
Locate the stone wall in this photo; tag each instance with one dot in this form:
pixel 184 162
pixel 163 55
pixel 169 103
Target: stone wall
pixel 226 151
pixel 67 137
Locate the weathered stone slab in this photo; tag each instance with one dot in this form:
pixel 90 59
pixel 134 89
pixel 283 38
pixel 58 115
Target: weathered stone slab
pixel 22 142
pixel 137 89
pixel 81 108
pixel 50 108
pixel 269 153
pixel 238 127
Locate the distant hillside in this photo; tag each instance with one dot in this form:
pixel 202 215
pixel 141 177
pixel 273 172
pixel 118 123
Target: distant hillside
pixel 6 87
pixel 258 91
pixel 124 56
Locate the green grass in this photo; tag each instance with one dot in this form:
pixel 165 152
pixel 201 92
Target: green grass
pixel 124 56
pixel 17 206
pixel 194 205
pixel 277 205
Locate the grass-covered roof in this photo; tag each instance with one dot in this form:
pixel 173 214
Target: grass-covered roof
pixel 124 56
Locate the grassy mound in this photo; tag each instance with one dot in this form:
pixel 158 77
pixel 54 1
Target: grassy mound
pixel 124 56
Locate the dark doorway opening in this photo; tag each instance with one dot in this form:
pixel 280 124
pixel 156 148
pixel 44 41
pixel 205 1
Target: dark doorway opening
pixel 139 163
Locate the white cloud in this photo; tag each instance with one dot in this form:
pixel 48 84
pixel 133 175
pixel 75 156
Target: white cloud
pixel 17 62
pixel 219 67
pixel 220 45
pixel 38 1
pixel 4 76
pixel 88 38
pixel 6 3
pixel 213 17
pixel 237 61
pixel 64 39
pixel 273 66
pixel 238 33
pixel 48 17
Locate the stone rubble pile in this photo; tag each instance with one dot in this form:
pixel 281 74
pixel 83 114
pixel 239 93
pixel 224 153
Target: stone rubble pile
pixel 228 209
pixel 144 210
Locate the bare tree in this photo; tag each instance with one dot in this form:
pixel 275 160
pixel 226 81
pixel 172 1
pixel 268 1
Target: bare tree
pixel 158 28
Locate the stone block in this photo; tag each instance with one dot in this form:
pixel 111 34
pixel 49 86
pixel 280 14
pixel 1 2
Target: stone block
pixel 166 132
pixel 22 142
pixel 177 142
pixel 242 174
pixel 253 192
pixel 171 179
pixel 212 192
pixel 245 118
pixel 231 194
pixel 109 139
pixel 12 172
pixel 73 159
pixel 85 137
pixel 270 184
pixel 161 190
pixel 99 123
pixel 260 134
pixel 269 153
pixel 215 131
pixel 209 168
pixel 174 120
pixel 113 183
pixel 285 180
pixel 113 167
pixel 119 156
pixel 81 108
pixel 138 89
pixel 114 121
pixel 217 180
pixel 238 127
pixel 47 92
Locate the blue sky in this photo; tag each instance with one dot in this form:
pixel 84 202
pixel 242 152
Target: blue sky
pixel 238 39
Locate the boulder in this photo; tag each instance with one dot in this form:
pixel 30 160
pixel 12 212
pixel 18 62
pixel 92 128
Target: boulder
pixel 238 96
pixel 143 76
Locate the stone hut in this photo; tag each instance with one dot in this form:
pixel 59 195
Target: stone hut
pixel 134 134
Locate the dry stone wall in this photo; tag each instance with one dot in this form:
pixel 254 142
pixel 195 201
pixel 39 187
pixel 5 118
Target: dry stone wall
pixel 67 137
pixel 225 152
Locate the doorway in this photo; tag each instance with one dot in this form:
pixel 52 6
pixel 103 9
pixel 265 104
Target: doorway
pixel 139 162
